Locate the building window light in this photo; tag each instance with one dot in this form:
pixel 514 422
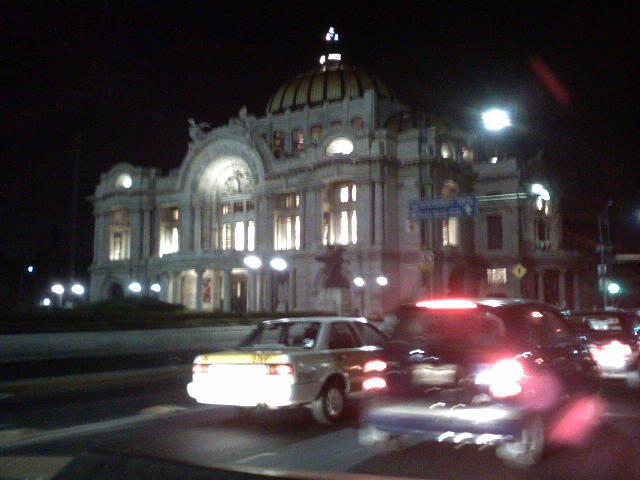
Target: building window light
pixel 496 276
pixel 344 194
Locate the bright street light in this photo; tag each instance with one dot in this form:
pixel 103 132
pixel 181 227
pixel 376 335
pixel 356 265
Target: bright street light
pixel 135 287
pixel 542 192
pixel 279 264
pixel 496 119
pixel 58 289
pixel 359 282
pixel 77 289
pixel 613 288
pixel 30 269
pixel 46 302
pixel 155 287
pixel 253 262
pixel 382 280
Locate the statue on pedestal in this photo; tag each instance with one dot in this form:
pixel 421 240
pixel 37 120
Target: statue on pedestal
pixel 331 272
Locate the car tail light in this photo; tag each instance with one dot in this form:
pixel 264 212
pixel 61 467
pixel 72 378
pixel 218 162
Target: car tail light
pixel 374 383
pixel 448 303
pixel 503 378
pixel 281 369
pixel 375 366
pixel 200 368
pixel 613 355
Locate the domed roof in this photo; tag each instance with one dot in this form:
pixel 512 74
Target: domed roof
pixel 331 83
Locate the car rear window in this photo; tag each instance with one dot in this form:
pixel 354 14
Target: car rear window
pixel 282 334
pixel 473 326
pixel 604 324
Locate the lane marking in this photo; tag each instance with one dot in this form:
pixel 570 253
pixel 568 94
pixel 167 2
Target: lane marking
pixel 161 409
pixel 250 458
pixel 45 436
pixel 335 451
pixel 15 434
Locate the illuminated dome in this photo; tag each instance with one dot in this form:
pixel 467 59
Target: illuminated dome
pixel 333 82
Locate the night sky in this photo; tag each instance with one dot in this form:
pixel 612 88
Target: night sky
pixel 107 82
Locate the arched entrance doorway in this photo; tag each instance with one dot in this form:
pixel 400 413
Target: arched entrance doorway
pixel 116 292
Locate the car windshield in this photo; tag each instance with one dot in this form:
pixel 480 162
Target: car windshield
pixel 282 335
pixel 454 327
pixel 601 325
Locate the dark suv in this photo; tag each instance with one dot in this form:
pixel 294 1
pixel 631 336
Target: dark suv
pixel 613 337
pixel 481 371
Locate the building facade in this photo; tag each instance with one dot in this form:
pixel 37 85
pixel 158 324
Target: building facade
pixel 336 160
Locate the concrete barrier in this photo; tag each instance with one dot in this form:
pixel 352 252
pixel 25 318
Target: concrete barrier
pixel 41 346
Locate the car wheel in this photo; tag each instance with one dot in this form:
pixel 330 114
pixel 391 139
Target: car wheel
pixel 527 450
pixel 329 406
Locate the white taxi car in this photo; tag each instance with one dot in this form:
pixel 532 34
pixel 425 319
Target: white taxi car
pixel 318 362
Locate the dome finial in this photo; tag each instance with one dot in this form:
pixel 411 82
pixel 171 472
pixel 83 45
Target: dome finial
pixel 332 55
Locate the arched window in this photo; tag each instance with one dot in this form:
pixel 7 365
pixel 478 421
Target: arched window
pixel 340 217
pixel 316 133
pixel 119 235
pixel 297 141
pixel 287 222
pixel 278 144
pixel 169 231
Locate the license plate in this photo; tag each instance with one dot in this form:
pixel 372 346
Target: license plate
pixel 434 374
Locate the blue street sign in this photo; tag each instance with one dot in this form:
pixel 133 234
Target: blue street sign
pixel 443 207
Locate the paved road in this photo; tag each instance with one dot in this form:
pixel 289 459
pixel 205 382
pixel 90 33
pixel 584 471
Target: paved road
pixel 162 423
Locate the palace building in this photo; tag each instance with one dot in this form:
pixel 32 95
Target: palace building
pixel 335 161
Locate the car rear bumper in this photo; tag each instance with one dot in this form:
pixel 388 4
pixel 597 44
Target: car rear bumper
pixel 490 423
pixel 270 392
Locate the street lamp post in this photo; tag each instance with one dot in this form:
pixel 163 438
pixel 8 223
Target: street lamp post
pixel 58 289
pixel 28 271
pixel 604 249
pixel 253 262
pixel 278 295
pixel 360 283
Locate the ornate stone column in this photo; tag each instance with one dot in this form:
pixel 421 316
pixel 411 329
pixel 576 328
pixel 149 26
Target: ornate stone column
pixel 199 276
pixel 197 228
pixel 101 238
pixel 292 289
pixel 378 213
pixel 136 234
pixel 165 294
pixel 186 228
pixel 226 301
pixel 146 232
pixel 312 218
pixel 175 290
pixel 251 292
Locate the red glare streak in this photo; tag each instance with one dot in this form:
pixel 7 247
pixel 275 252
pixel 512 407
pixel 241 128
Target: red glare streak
pixel 577 422
pixel 550 80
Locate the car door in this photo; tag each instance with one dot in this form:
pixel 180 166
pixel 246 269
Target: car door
pixel 344 347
